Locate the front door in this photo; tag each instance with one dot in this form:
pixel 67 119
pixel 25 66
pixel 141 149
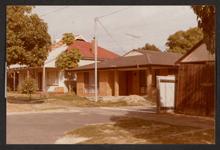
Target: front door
pixel 40 81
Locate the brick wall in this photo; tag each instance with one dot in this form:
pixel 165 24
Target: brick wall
pixel 105 83
pixel 80 84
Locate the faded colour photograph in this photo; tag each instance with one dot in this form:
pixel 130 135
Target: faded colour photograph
pixel 110 74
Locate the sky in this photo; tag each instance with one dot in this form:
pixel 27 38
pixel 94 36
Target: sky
pixel 125 27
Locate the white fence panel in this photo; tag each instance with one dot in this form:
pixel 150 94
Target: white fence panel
pixel 166 91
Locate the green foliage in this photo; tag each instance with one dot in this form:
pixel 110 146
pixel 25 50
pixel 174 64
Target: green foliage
pixel 206 21
pixel 68 59
pixel 150 47
pixel 182 41
pixel 68 38
pixel 27 38
pixel 29 87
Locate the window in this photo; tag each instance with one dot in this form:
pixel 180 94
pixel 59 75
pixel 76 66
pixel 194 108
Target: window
pixel 52 77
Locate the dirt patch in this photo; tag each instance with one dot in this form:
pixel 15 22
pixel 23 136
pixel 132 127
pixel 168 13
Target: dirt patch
pixel 20 102
pixel 70 140
pixel 131 100
pixel 138 100
pixel 129 130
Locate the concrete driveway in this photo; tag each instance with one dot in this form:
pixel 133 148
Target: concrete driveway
pixel 47 127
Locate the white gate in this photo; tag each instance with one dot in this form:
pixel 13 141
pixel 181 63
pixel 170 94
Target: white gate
pixel 166 92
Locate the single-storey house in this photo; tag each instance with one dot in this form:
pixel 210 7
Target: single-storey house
pixel 195 90
pixel 133 73
pixel 54 77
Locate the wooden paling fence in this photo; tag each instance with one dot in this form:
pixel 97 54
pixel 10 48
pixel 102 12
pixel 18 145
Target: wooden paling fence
pixel 195 90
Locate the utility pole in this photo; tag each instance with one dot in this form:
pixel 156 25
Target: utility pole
pixel 44 79
pixel 6 77
pixel 95 49
pixel 96 45
pixel 14 80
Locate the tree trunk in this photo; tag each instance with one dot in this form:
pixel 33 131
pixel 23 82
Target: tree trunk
pixel 28 73
pixel 70 88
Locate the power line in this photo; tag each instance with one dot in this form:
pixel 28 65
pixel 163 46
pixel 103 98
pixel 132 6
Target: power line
pixel 114 12
pixel 108 33
pixel 53 11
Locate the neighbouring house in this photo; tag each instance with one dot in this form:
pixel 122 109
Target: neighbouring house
pixel 54 77
pixel 133 73
pixel 195 90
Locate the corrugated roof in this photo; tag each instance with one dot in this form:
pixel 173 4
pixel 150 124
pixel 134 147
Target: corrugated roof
pixel 148 58
pixel 52 56
pixel 198 53
pixel 160 58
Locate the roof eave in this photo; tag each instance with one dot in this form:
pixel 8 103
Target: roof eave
pixel 190 51
pixel 133 66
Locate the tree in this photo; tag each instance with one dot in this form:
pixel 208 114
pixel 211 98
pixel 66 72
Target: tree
pixel 206 21
pixel 182 41
pixel 150 47
pixel 27 38
pixel 67 60
pixel 29 87
pixel 68 38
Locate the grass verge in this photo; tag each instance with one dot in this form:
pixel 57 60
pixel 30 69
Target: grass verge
pixel 129 130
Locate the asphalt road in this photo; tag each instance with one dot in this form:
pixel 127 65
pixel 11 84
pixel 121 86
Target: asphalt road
pixel 47 127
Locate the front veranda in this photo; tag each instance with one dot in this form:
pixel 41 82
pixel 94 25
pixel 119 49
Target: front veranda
pixel 120 82
pixel 54 79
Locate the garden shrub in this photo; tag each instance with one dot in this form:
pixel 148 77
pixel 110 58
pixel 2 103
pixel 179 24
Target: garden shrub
pixel 29 87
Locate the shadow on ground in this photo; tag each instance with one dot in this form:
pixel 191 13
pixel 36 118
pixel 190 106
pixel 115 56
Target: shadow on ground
pixel 166 128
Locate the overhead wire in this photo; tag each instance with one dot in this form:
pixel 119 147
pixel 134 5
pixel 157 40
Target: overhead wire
pixel 53 11
pixel 114 12
pixel 98 19
pixel 109 34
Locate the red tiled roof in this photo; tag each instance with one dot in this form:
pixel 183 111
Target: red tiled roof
pixel 85 49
